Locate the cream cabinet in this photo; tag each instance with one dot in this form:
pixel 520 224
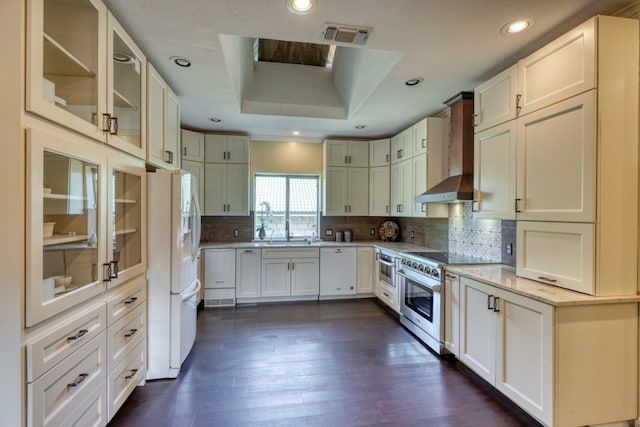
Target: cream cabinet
pixel 163 122
pixel 494 172
pixel 248 264
pixel 379 191
pixel 226 189
pixel 192 146
pixel 452 313
pixel 507 339
pixel 494 101
pixel 346 153
pixel 379 152
pixel 290 273
pixel 402 146
pixel 423 178
pixel 84 72
pixel 365 270
pixel 402 188
pixel 346 191
pixel 226 148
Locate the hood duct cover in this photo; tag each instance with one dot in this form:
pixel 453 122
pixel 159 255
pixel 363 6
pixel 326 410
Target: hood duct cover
pixel 459 185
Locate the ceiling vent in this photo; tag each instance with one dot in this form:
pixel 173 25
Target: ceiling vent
pixel 345 34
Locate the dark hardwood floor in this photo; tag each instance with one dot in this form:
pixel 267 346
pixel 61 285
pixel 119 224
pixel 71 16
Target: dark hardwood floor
pixel 345 363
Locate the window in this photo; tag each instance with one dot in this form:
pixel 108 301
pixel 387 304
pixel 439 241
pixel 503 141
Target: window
pixel 286 203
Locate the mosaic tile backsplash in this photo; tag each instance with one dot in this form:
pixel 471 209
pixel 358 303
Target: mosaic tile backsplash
pixel 474 236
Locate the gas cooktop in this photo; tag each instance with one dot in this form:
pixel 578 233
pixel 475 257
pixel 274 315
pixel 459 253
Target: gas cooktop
pixel 448 258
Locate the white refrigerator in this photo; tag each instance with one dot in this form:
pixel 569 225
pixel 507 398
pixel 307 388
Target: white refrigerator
pixel 173 221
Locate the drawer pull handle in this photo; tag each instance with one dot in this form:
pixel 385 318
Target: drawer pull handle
pixel 546 279
pixel 131 300
pixel 131 333
pixel 78 335
pixel 386 295
pixel 77 381
pixel 131 375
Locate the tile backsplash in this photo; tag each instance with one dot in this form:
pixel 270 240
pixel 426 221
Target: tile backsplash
pixel 474 236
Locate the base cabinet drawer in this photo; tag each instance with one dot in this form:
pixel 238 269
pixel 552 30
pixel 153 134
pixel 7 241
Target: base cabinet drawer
pixel 125 301
pixel 64 387
pixel 389 295
pixel 92 412
pixel 124 378
pixel 125 335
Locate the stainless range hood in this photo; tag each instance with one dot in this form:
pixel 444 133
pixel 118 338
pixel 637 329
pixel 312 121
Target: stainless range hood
pixel 459 185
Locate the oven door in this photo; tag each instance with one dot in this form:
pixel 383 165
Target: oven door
pixel 386 269
pixel 421 304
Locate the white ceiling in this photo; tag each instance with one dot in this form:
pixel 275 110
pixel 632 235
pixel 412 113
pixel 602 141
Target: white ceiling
pixel 452 44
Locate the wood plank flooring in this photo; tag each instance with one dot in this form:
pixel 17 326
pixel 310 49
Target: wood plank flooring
pixel 344 363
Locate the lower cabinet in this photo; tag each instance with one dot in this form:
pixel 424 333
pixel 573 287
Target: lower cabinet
pixel 290 272
pixel 248 262
pixel 547 359
pixel 452 313
pixel 390 295
pixel 365 273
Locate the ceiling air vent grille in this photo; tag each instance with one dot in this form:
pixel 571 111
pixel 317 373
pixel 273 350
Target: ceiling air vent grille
pixel 345 34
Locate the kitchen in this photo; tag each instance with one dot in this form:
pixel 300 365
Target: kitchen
pixel 459 232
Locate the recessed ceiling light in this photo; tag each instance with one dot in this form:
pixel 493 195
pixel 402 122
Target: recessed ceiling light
pixel 361 126
pixel 181 61
pixel 122 57
pixel 296 132
pixel 517 26
pixel 215 119
pixel 300 7
pixel 414 81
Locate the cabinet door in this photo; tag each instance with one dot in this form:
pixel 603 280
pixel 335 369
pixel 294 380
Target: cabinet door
pixel 192 145
pixel 336 153
pixel 359 154
pixel 172 129
pixel 126 245
pixel 524 353
pixel 276 277
pixel 364 274
pixel 197 170
pixel 358 182
pixel 215 181
pixel 126 89
pixel 379 181
pixel 219 268
pixel 305 276
pixel 66 68
pixel 237 149
pixel 156 88
pixel 556 162
pixel 406 202
pixel 560 254
pixel 419 137
pixel 248 273
pixel 564 68
pixel 66 223
pixel 397 188
pixel 494 173
pixel 452 313
pixel 419 184
pixel 215 148
pixel 379 152
pixel 402 146
pixel 237 189
pixel 477 328
pixel 335 196
pixel 494 101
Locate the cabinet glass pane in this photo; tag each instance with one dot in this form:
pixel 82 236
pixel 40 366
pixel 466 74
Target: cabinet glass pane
pixel 126 220
pixel 127 83
pixel 70 232
pixel 70 56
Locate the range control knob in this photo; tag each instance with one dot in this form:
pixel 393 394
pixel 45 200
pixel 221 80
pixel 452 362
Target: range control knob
pixel 435 273
pixel 404 262
pixel 421 267
pixel 427 270
pixel 414 264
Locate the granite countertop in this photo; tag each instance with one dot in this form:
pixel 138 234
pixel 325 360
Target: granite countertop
pixel 505 277
pixel 390 246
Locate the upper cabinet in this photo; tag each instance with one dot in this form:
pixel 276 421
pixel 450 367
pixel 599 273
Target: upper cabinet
pixel 192 146
pixel 494 101
pixel 226 148
pixel 84 72
pixel 402 146
pixel 379 152
pixel 346 153
pixel 163 122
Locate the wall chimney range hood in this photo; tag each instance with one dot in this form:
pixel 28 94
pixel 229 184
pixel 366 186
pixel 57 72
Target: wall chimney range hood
pixel 459 185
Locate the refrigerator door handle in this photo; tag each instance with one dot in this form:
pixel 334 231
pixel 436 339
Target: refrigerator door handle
pixel 196 229
pixel 188 295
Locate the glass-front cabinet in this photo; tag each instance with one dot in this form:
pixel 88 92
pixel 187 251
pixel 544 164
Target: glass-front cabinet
pixel 66 225
pixel 84 72
pixel 126 246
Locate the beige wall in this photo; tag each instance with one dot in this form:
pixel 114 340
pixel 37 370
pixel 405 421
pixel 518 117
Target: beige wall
pixel 286 157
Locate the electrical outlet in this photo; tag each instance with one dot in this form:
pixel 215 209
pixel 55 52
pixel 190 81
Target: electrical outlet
pixel 328 232
pixel 372 231
pixel 509 248
pixel 413 234
pixel 236 233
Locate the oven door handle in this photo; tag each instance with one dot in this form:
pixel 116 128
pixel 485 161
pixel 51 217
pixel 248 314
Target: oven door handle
pixel 434 288
pixel 387 263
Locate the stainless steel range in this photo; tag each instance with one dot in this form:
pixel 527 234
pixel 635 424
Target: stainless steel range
pixel 421 287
